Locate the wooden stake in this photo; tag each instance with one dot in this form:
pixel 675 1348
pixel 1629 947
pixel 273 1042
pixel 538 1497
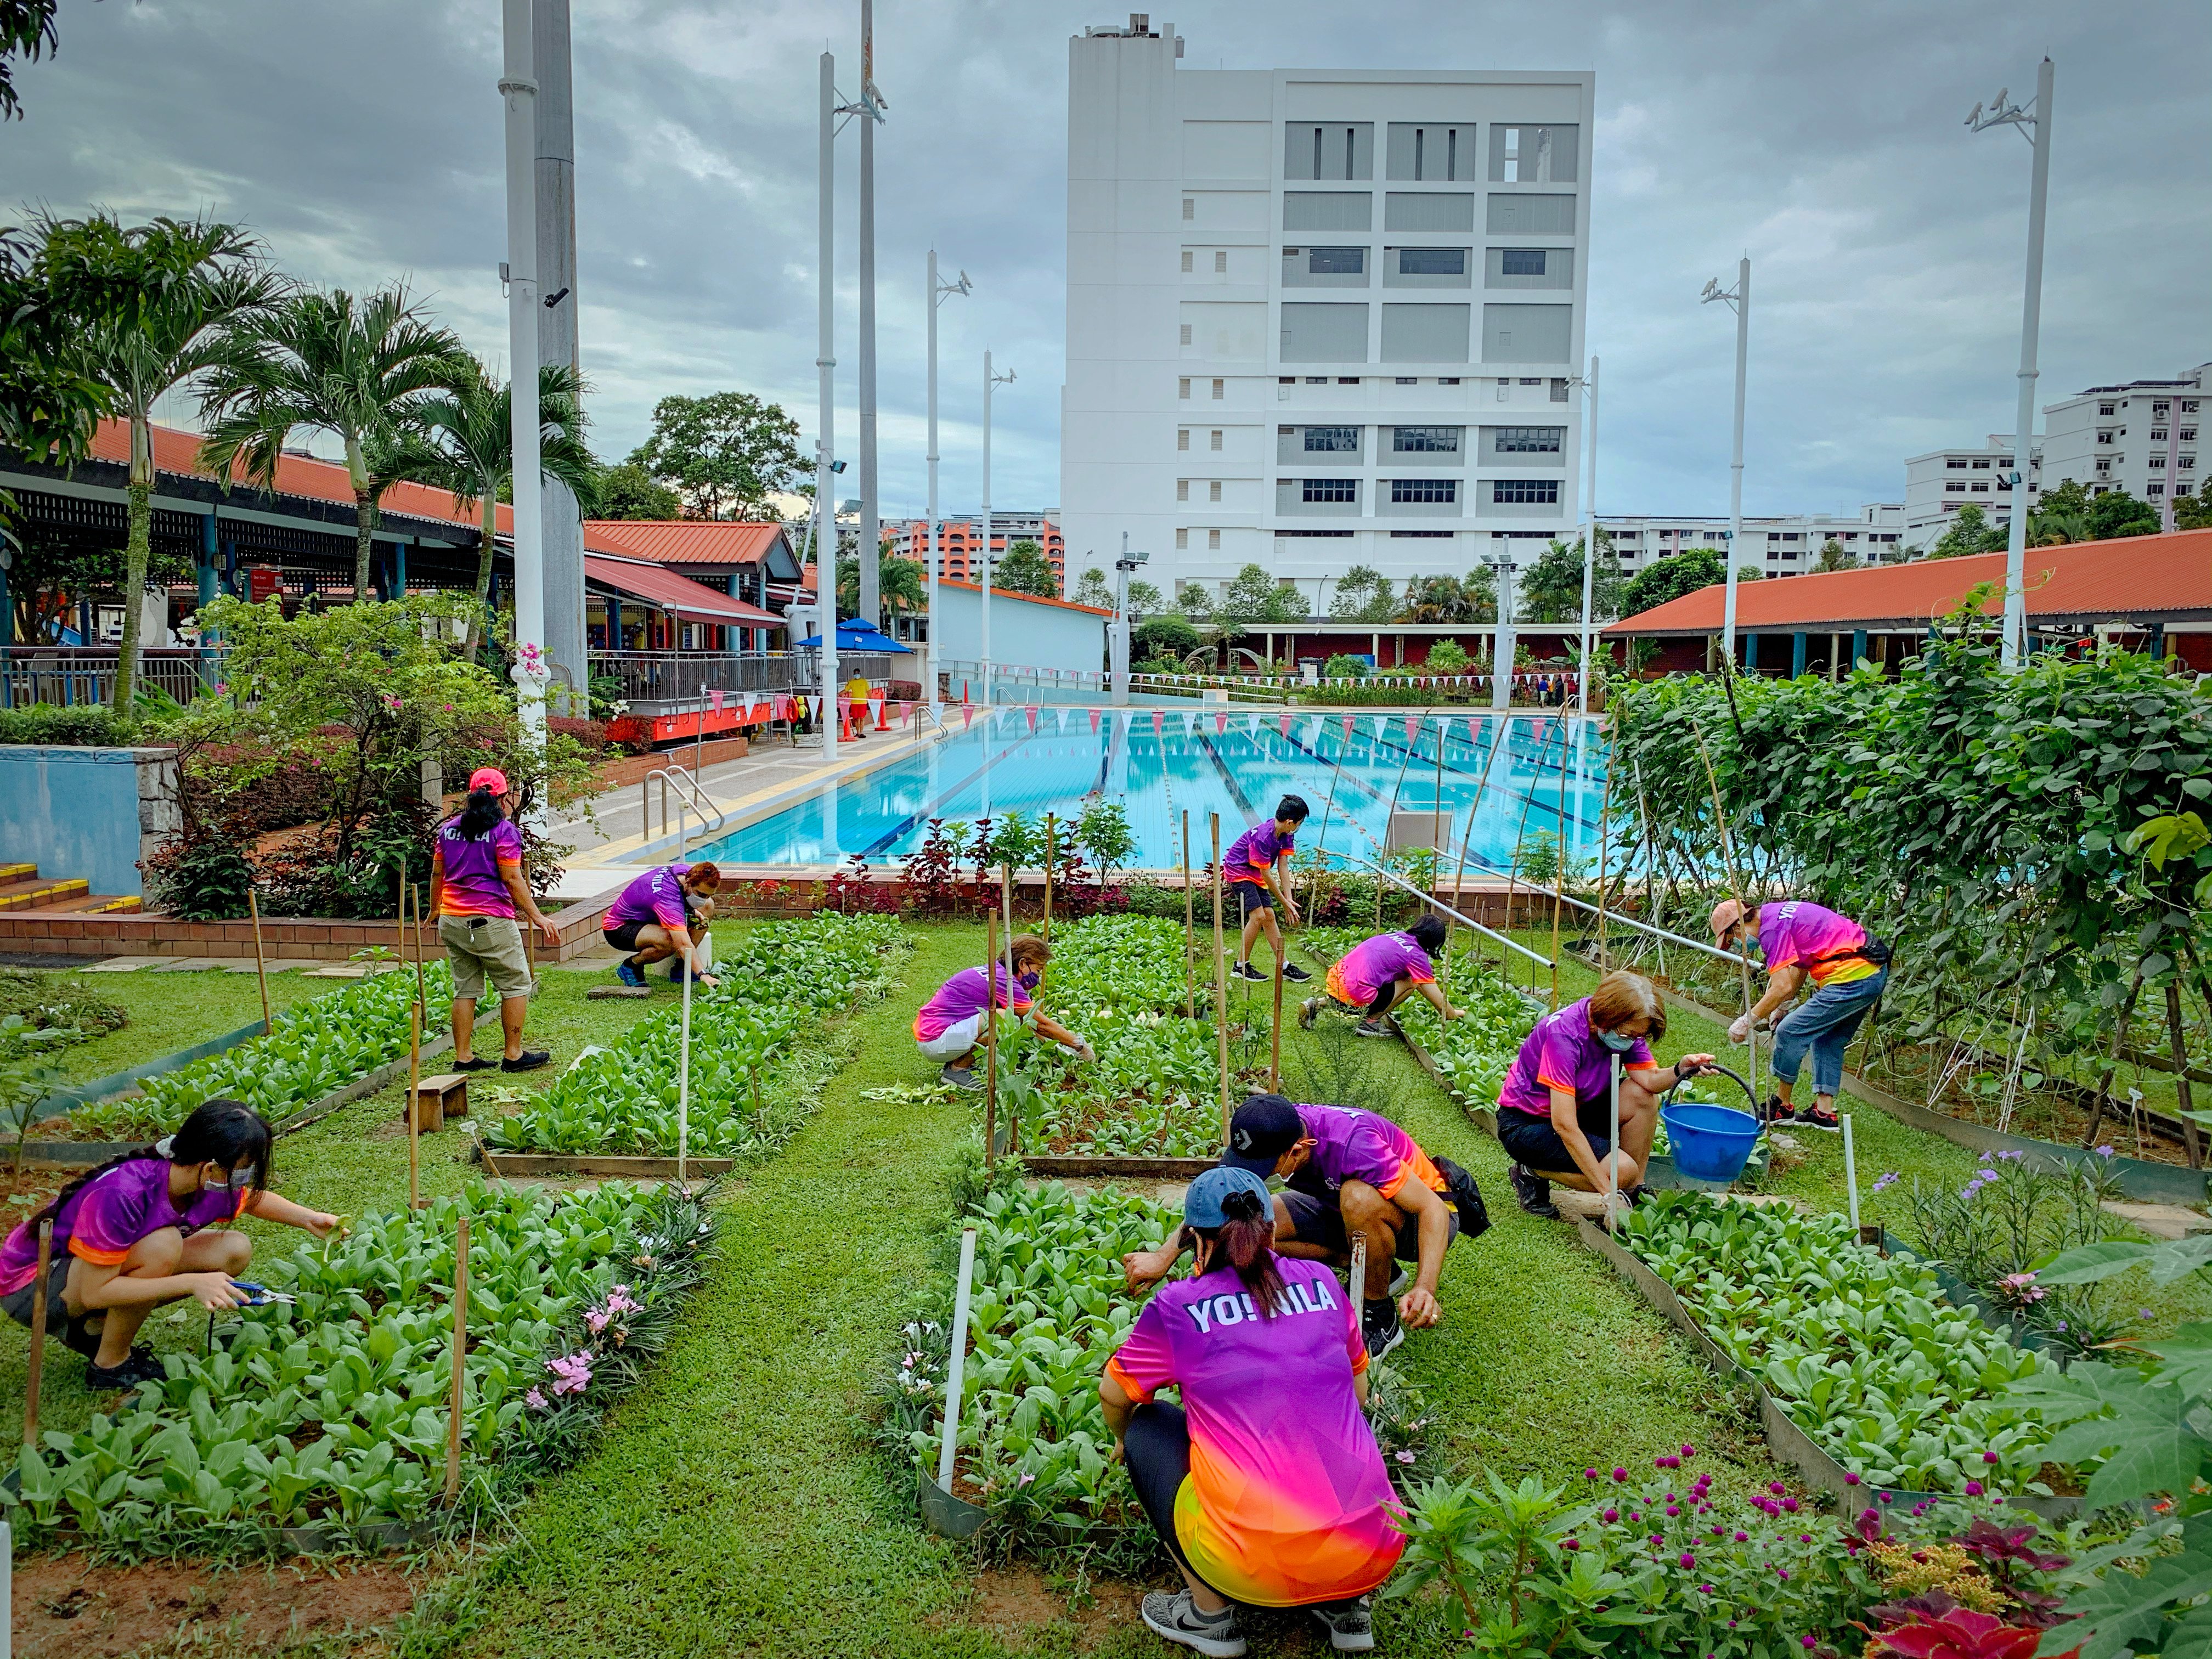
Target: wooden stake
pixel 1559 869
pixel 260 962
pixel 460 1358
pixel 1189 929
pixel 991 1047
pixel 414 1079
pixel 1050 833
pixel 1220 980
pixel 1605 808
pixel 683 1084
pixel 421 984
pixel 1275 1033
pixel 36 1370
pixel 2181 1073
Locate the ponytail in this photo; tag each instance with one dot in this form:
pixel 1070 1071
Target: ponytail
pixel 1247 1240
pixel 226 1132
pixel 479 817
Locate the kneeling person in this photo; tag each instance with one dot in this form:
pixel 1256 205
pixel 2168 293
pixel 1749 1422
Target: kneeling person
pixel 1554 1109
pixel 1372 977
pixel 955 1024
pixel 653 918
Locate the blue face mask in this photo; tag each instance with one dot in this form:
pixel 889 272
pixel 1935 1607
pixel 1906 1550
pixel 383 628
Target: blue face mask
pixel 1617 1041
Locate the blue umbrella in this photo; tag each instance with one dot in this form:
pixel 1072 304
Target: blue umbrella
pixel 857 636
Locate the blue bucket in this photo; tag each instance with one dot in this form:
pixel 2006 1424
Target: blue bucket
pixel 1709 1143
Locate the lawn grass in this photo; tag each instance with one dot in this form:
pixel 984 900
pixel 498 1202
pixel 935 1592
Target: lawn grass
pixel 169 1012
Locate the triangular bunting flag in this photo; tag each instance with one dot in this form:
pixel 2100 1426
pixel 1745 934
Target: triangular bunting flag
pixel 1382 726
pixel 716 694
pixel 1032 712
pixel 1220 724
pixel 967 715
pixel 1412 728
pixel 1348 728
pixel 1158 720
pixel 1094 722
pixel 1283 723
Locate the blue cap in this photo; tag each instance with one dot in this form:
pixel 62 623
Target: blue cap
pixel 1201 1204
pixel 1265 1128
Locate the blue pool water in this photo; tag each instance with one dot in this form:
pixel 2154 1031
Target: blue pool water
pixel 1542 778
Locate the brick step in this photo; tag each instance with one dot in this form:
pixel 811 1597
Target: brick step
pixel 13 874
pixel 40 895
pixel 93 904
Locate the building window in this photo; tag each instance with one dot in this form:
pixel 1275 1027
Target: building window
pixel 1524 492
pixel 1409 379
pixel 1213 490
pixel 2187 464
pixel 2106 409
pixel 2156 490
pixel 1433 262
pixel 1531 441
pixel 1347 380
pixel 1316 379
pixel 1958 489
pixel 1213 440
pixel 1182 438
pixel 1981 466
pixel 1404 491
pixel 2158 463
pixel 1520 261
pixel 1425 440
pixel 1956 465
pixel 1189 208
pixel 1447 380
pixel 2158 434
pixel 1187 257
pixel 1332 440
pixel 1218 387
pixel 1336 262
pixel 1220 262
pixel 1182 540
pixel 1329 489
pixel 2188 435
pixel 1286 380
pixel 1213 541
pixel 1183 387
pixel 1186 333
pixel 1981 489
pixel 1182 489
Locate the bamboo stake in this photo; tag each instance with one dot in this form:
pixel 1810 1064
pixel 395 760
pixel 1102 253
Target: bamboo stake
pixel 36 1372
pixel 414 1080
pixel 460 1358
pixel 1013 1118
pixel 683 1084
pixel 1048 839
pixel 1221 981
pixel 1275 1033
pixel 991 1045
pixel 2181 1089
pixel 1559 873
pixel 1189 929
pixel 421 984
pixel 260 962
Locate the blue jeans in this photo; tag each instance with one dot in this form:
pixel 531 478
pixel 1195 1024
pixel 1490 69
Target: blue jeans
pixel 1825 1022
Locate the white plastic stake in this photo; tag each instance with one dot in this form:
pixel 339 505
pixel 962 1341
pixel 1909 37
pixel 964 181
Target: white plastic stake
pixel 7 1590
pixel 683 1080
pixel 1613 1148
pixel 1852 1171
pixel 952 1377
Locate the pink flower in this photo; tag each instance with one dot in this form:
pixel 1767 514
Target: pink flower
pixel 572 1374
pixel 1405 1458
pixel 1611 1516
pixel 1973 1489
pixel 1687 1559
pixel 1743 1538
pixel 535 1400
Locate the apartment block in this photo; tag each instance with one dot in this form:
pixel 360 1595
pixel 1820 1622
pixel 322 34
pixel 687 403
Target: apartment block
pixel 960 541
pixel 1787 546
pixel 2140 437
pixel 1320 317
pixel 1938 483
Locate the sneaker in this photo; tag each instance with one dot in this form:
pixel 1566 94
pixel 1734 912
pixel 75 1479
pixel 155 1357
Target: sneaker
pixel 1293 972
pixel 528 1061
pixel 1812 1117
pixel 1533 1192
pixel 473 1064
pixel 1174 1617
pixel 1378 1324
pixel 960 1077
pixel 1373 1027
pixel 1350 1624
pixel 1399 1283
pixel 138 1367
pixel 1309 1011
pixel 1246 970
pixel 1774 1111
pixel 676 971
pixel 626 971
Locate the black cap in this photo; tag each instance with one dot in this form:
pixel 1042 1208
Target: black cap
pixel 1265 1128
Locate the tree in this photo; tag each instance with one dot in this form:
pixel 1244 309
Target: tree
pixel 470 432
pixel 1550 590
pixel 898 584
pixel 1479 584
pixel 1023 568
pixel 1970 533
pixel 1833 557
pixel 2193 512
pixel 1364 594
pixel 50 401
pixel 2115 514
pixel 626 491
pixel 1093 588
pixel 1169 636
pixel 1254 596
pixel 1434 599
pixel 1145 599
pixel 1192 602
pixel 360 369
pixel 1670 578
pixel 153 306
pixel 27 30
pixel 725 454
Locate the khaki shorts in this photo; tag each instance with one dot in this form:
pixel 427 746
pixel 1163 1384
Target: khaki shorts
pixel 485 947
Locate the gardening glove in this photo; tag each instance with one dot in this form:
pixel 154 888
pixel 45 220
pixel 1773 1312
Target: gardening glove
pixel 1085 1051
pixel 1740 1031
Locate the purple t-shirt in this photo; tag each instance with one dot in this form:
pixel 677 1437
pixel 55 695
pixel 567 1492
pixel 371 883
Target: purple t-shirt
pixel 1795 932
pixel 1372 963
pixel 1287 1502
pixel 656 896
pixel 1563 1052
pixel 103 1218
pixel 963 996
pixel 1350 1144
pixel 473 886
pixel 1255 852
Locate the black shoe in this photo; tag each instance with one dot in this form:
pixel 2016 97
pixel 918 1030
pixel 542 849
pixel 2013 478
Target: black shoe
pixel 1533 1192
pixel 474 1064
pixel 1774 1111
pixel 1378 1324
pixel 1374 1028
pixel 1292 971
pixel 961 1077
pixel 138 1368
pixel 1812 1117
pixel 1246 970
pixel 528 1061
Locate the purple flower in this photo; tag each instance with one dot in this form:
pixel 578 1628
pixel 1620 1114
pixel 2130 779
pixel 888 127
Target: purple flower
pixel 1973 1489
pixel 1808 1641
pixel 1634 1517
pixel 1743 1538
pixel 1689 1451
pixel 572 1374
pixel 1804 1537
pixel 1620 1474
pixel 1656 1540
pixel 1988 1457
pixel 1687 1559
pixel 1405 1458
pixel 1570 1544
pixel 1672 1509
pixel 1611 1516
pixel 2104 1152
pixel 1850 1479
pixel 536 1399
pixel 2143 1313
pixel 1782 1573
pixel 1789 1505
pixel 1888 1179
pixel 1776 1487
pixel 1590 1474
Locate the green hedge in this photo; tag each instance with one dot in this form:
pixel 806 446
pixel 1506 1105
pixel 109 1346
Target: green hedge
pixel 87 725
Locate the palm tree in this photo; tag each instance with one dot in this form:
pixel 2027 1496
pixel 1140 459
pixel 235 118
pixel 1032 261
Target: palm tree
pixel 360 369
pixel 152 306
pixel 470 428
pixel 898 582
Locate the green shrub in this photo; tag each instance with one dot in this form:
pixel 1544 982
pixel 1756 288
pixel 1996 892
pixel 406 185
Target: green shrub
pixel 1447 657
pixel 204 882
pixel 1343 667
pixel 85 725
pixel 52 1003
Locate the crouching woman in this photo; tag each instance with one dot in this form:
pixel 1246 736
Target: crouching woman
pixel 148 1228
pixel 1266 1484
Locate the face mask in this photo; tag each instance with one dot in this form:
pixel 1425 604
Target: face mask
pixel 1619 1044
pixel 238 1181
pixel 1029 981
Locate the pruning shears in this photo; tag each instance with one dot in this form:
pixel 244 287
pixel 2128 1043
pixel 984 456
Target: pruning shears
pixel 257 1295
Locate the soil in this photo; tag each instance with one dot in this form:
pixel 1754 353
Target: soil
pixel 65 1605
pixel 1012 1602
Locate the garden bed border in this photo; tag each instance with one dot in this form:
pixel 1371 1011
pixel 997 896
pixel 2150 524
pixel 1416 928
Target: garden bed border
pixel 506 1166
pixel 63 1101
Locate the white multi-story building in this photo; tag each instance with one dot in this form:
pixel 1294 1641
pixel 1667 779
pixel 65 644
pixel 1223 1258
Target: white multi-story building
pixel 2140 437
pixel 1938 483
pixel 1318 318
pixel 1787 546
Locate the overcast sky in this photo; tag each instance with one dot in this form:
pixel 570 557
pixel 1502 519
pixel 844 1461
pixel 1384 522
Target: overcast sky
pixel 363 140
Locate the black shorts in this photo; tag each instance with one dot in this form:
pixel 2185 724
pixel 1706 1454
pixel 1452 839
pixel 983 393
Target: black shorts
pixel 1318 1220
pixel 624 938
pixel 1534 1143
pixel 1157 1453
pixel 17 1304
pixel 1252 898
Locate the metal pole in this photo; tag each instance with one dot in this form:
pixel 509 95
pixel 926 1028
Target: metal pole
pixel 1503 644
pixel 2031 324
pixel 1120 653
pixel 684 1081
pixel 1590 543
pixel 1735 462
pixel 519 87
pixel 560 523
pixel 825 362
pixel 936 703
pixel 871 607
pixel 954 1376
pixel 988 379
pixel 1220 980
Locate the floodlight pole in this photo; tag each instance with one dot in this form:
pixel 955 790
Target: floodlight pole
pixel 825 361
pixel 870 112
pixel 519 88
pixel 1738 300
pixel 990 380
pixel 2002 114
pixel 939 293
pixel 1590 540
pixel 1503 642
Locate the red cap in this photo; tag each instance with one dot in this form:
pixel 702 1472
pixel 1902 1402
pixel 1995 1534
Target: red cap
pixel 489 777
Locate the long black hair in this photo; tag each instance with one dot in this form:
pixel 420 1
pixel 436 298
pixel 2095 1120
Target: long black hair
pixel 226 1132
pixel 1429 934
pixel 1247 1238
pixel 479 817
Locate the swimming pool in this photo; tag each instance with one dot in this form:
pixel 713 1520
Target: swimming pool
pixel 1238 762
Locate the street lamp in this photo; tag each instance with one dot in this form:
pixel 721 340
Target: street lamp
pixel 939 293
pixel 518 89
pixel 990 380
pixel 1122 566
pixel 1503 644
pixel 1998 112
pixel 1589 384
pixel 1739 299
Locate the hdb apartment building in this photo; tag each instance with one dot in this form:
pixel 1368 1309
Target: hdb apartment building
pixel 1318 318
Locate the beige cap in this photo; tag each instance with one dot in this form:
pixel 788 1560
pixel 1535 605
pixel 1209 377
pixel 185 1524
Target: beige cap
pixel 1726 915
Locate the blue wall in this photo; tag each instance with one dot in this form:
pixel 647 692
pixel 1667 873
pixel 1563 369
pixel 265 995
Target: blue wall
pixel 73 812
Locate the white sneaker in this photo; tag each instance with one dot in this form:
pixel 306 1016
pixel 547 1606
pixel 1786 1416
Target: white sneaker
pixel 1177 1618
